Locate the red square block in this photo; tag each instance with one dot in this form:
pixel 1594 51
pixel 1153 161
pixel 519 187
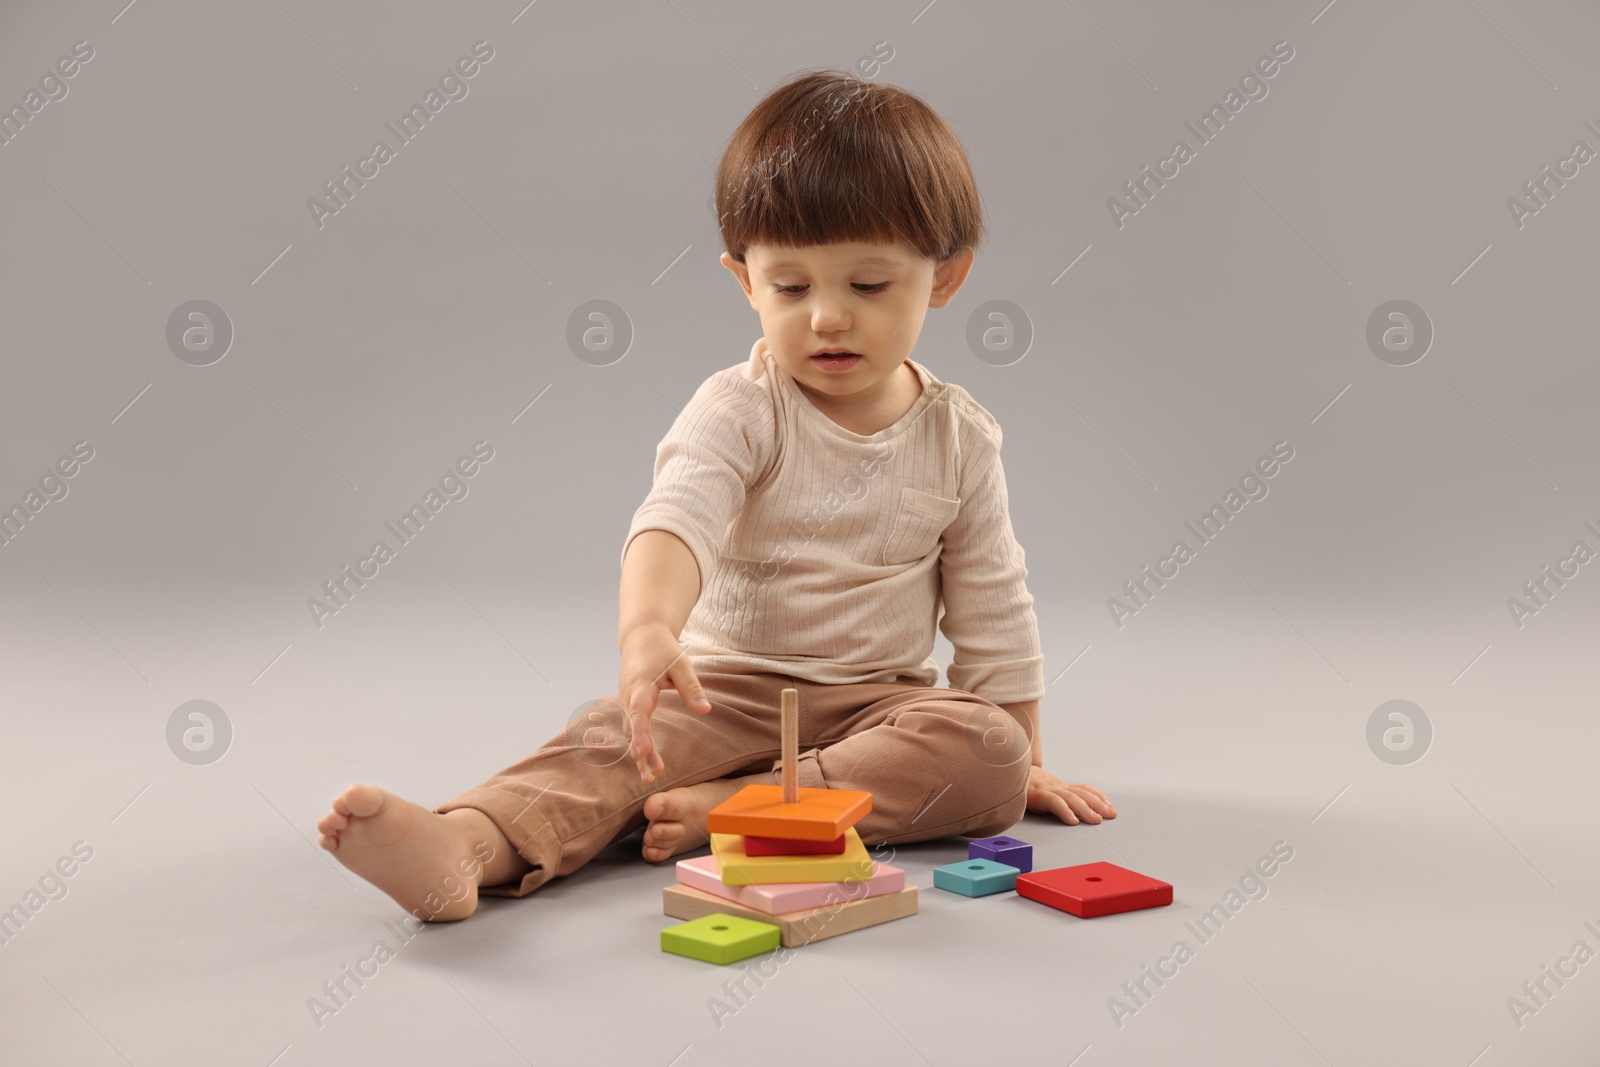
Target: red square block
pixel 792 846
pixel 1092 889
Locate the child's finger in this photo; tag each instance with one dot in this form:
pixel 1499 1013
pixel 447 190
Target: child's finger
pixel 1081 807
pixel 637 700
pixel 689 687
pixel 639 746
pixel 1097 800
pixel 1062 810
pixel 640 702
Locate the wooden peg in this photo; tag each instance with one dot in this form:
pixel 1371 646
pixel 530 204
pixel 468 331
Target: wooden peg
pixel 789 723
pixel 788 810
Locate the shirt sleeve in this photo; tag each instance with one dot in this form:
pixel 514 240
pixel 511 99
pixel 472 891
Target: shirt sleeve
pixel 707 462
pixel 988 611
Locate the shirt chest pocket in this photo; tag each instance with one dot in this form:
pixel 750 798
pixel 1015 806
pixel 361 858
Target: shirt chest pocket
pixel 918 522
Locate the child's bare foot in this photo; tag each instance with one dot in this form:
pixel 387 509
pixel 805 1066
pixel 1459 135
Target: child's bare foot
pixel 678 816
pixel 431 864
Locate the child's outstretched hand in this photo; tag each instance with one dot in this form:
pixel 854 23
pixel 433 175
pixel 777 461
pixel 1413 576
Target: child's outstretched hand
pixel 1049 795
pixel 652 660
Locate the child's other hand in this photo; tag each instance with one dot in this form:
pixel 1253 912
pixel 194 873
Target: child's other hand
pixel 652 660
pixel 1049 795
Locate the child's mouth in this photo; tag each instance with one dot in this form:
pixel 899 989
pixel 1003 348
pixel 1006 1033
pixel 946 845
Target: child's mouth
pixel 836 363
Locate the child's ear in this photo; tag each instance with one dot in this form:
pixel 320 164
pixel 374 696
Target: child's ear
pixel 949 276
pixel 740 271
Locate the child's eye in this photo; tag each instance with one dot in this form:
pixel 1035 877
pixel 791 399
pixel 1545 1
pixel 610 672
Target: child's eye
pixel 795 290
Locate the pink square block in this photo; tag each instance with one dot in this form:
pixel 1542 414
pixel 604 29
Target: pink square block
pixel 776 898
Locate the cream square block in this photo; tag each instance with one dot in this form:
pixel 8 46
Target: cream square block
pixel 797 927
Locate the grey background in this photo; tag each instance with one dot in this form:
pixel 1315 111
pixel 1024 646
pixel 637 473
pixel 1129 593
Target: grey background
pixel 1231 713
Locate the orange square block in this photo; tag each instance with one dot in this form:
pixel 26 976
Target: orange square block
pixel 819 814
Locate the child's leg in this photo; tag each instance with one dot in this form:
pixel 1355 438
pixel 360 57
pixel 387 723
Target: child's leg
pixel 550 813
pixel 430 864
pixel 561 805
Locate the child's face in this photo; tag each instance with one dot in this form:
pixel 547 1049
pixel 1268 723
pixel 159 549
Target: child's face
pixel 867 298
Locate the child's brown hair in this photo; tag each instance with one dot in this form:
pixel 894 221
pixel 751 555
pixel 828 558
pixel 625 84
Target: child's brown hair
pixel 827 157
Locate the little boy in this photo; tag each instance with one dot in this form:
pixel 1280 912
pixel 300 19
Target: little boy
pixel 812 508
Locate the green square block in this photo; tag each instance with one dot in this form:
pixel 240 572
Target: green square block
pixel 720 938
pixel 975 877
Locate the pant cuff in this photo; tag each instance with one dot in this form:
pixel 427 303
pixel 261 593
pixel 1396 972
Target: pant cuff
pixel 527 828
pixel 809 770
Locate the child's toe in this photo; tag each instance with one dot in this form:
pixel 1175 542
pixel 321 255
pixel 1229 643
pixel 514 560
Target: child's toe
pixel 362 800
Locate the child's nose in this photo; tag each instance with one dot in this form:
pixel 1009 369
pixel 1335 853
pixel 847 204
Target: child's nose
pixel 829 316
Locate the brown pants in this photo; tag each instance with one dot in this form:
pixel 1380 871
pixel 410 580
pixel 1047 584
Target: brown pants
pixel 938 762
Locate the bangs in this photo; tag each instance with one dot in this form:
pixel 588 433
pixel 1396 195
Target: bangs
pixel 829 158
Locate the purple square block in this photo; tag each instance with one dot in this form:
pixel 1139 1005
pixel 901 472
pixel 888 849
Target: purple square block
pixel 1007 850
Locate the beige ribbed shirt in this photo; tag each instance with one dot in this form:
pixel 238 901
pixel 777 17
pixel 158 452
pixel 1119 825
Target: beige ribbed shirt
pixel 826 554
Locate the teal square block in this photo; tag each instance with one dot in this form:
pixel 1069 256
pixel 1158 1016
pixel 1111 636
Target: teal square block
pixel 975 877
pixel 720 938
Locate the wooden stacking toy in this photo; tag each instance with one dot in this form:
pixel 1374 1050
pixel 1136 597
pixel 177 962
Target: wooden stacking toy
pixel 1092 889
pixel 791 846
pixel 1007 850
pixel 804 925
pixel 788 858
pixel 1087 890
pixel 788 813
pixel 741 868
pixel 774 898
pixel 975 877
pixel 787 810
pixel 719 938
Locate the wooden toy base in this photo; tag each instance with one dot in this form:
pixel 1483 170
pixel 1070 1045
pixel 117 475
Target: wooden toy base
pixel 797 927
